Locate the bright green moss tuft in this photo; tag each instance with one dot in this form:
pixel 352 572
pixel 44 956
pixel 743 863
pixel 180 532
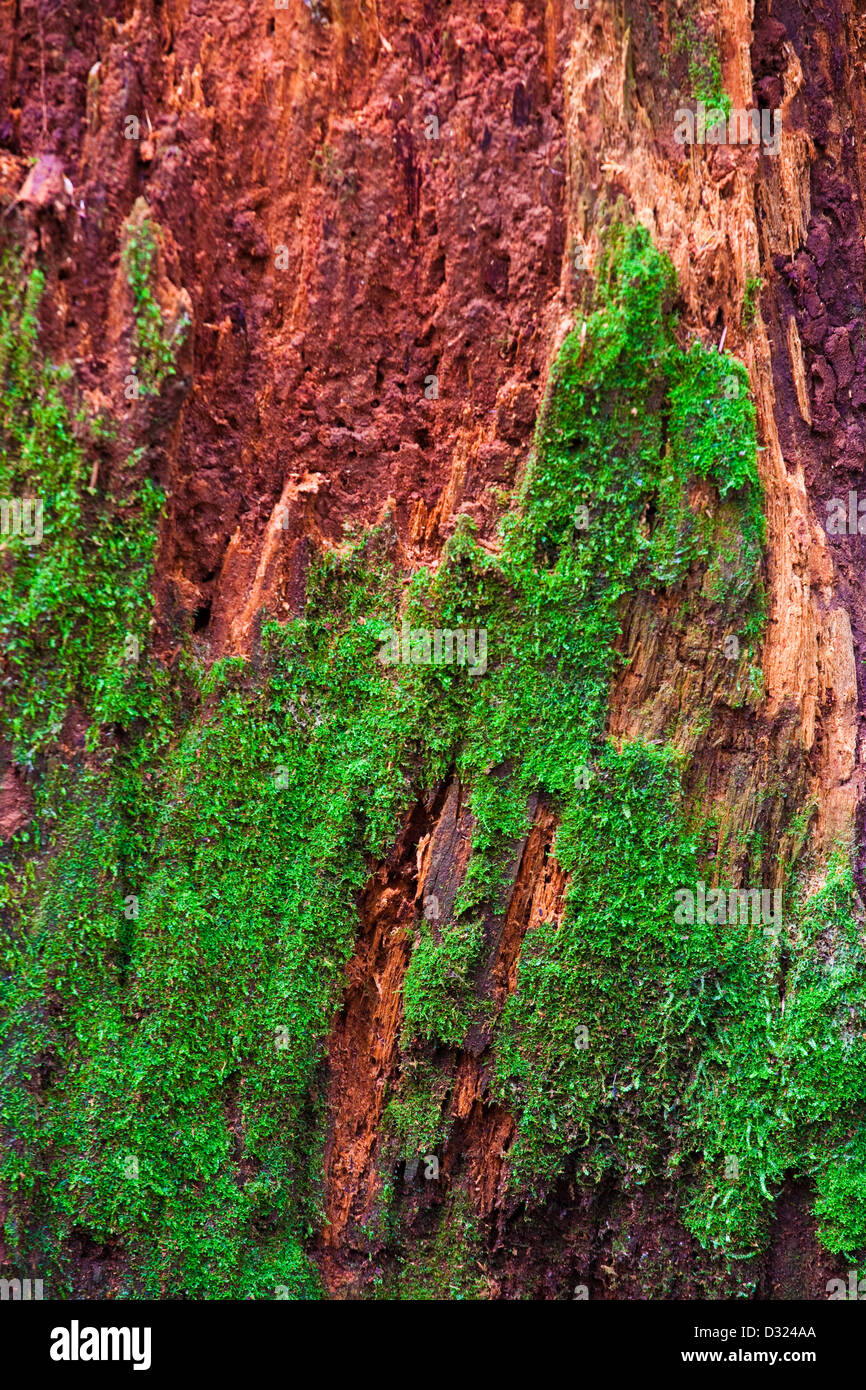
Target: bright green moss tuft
pixel 751 295
pixel 157 345
pixel 69 601
pixel 780 1087
pixel 704 67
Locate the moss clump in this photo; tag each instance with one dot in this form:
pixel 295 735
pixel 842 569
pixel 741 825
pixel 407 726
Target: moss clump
pixel 157 344
pixel 191 926
pixel 692 42
pixel 69 602
pixel 751 292
pixel 415 1115
pixel 610 1004
pixel 630 421
pixel 445 1265
pixel 177 950
pixel 780 1087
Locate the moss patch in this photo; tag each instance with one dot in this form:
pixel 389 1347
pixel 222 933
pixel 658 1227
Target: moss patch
pixel 157 343
pixel 69 602
pixel 176 949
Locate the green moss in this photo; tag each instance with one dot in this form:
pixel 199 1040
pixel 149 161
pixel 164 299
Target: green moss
pixel 157 343
pixel 630 420
pixel 190 1032
pixel 67 603
pixel 415 1115
pixel 781 1085
pixel 751 292
pixel 692 42
pixel 176 949
pixel 445 1265
pixel 615 967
